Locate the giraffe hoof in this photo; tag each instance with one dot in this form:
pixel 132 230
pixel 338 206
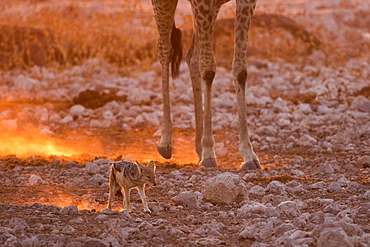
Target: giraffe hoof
pixel 251 165
pixel 166 152
pixel 208 163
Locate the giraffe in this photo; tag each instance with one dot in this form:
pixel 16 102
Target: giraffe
pixel 202 67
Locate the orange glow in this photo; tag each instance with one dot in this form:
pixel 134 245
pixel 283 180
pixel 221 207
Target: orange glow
pixel 33 142
pixel 64 200
pixel 138 145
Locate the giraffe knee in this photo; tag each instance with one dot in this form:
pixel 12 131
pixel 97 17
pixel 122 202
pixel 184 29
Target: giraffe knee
pixel 242 77
pixel 209 76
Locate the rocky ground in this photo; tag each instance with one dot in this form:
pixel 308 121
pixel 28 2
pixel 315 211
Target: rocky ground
pixel 303 202
pixel 309 123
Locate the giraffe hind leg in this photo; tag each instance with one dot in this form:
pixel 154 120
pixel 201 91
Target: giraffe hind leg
pixel 192 59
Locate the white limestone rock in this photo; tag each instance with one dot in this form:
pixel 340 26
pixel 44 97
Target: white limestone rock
pixel 289 209
pixel 34 179
pixel 276 187
pixel 224 188
pixel 251 209
pixel 92 168
pixel 189 199
pixel 77 110
pixel 334 236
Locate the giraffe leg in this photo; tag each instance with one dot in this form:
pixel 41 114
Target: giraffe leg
pixel 164 11
pixel 244 12
pixel 192 60
pixel 204 20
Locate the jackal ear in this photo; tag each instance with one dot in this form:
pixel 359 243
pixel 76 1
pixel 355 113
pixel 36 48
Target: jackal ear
pixel 137 162
pixel 151 164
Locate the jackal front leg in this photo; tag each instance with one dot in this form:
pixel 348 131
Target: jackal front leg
pixel 113 187
pixel 126 200
pixel 143 198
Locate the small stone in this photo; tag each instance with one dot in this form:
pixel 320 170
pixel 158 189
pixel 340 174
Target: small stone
pixel 274 199
pixel 334 187
pixel 275 187
pixel 255 208
pixel 189 199
pixel 318 186
pixel 257 191
pixel 91 168
pixel 326 168
pixel 108 115
pixel 70 210
pixel 224 188
pixel 335 236
pixel 66 119
pixel 305 108
pixel 289 209
pixel 208 241
pixel 307 141
pixel 360 103
pixel 77 110
pixel 18 223
pixel 34 179
pixel 261 231
pixel 68 230
pixel 101 217
pixel 364 161
pixel 95 242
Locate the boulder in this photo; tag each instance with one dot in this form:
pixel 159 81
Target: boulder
pixel 224 188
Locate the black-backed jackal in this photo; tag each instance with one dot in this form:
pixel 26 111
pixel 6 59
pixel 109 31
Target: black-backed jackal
pixel 128 175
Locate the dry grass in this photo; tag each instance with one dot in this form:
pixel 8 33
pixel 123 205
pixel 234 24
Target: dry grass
pixel 113 36
pixel 127 37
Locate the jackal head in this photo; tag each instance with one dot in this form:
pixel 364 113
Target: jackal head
pixel 148 173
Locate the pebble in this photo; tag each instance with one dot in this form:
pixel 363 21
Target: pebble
pixel 34 179
pixel 326 168
pixel 364 161
pixel 334 187
pixel 275 187
pixel 76 110
pixel 335 236
pixel 257 191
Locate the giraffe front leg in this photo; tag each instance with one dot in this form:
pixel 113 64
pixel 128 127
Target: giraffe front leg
pixel 245 146
pixel 164 146
pixel 164 15
pixel 208 153
pixel 244 12
pixel 204 20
